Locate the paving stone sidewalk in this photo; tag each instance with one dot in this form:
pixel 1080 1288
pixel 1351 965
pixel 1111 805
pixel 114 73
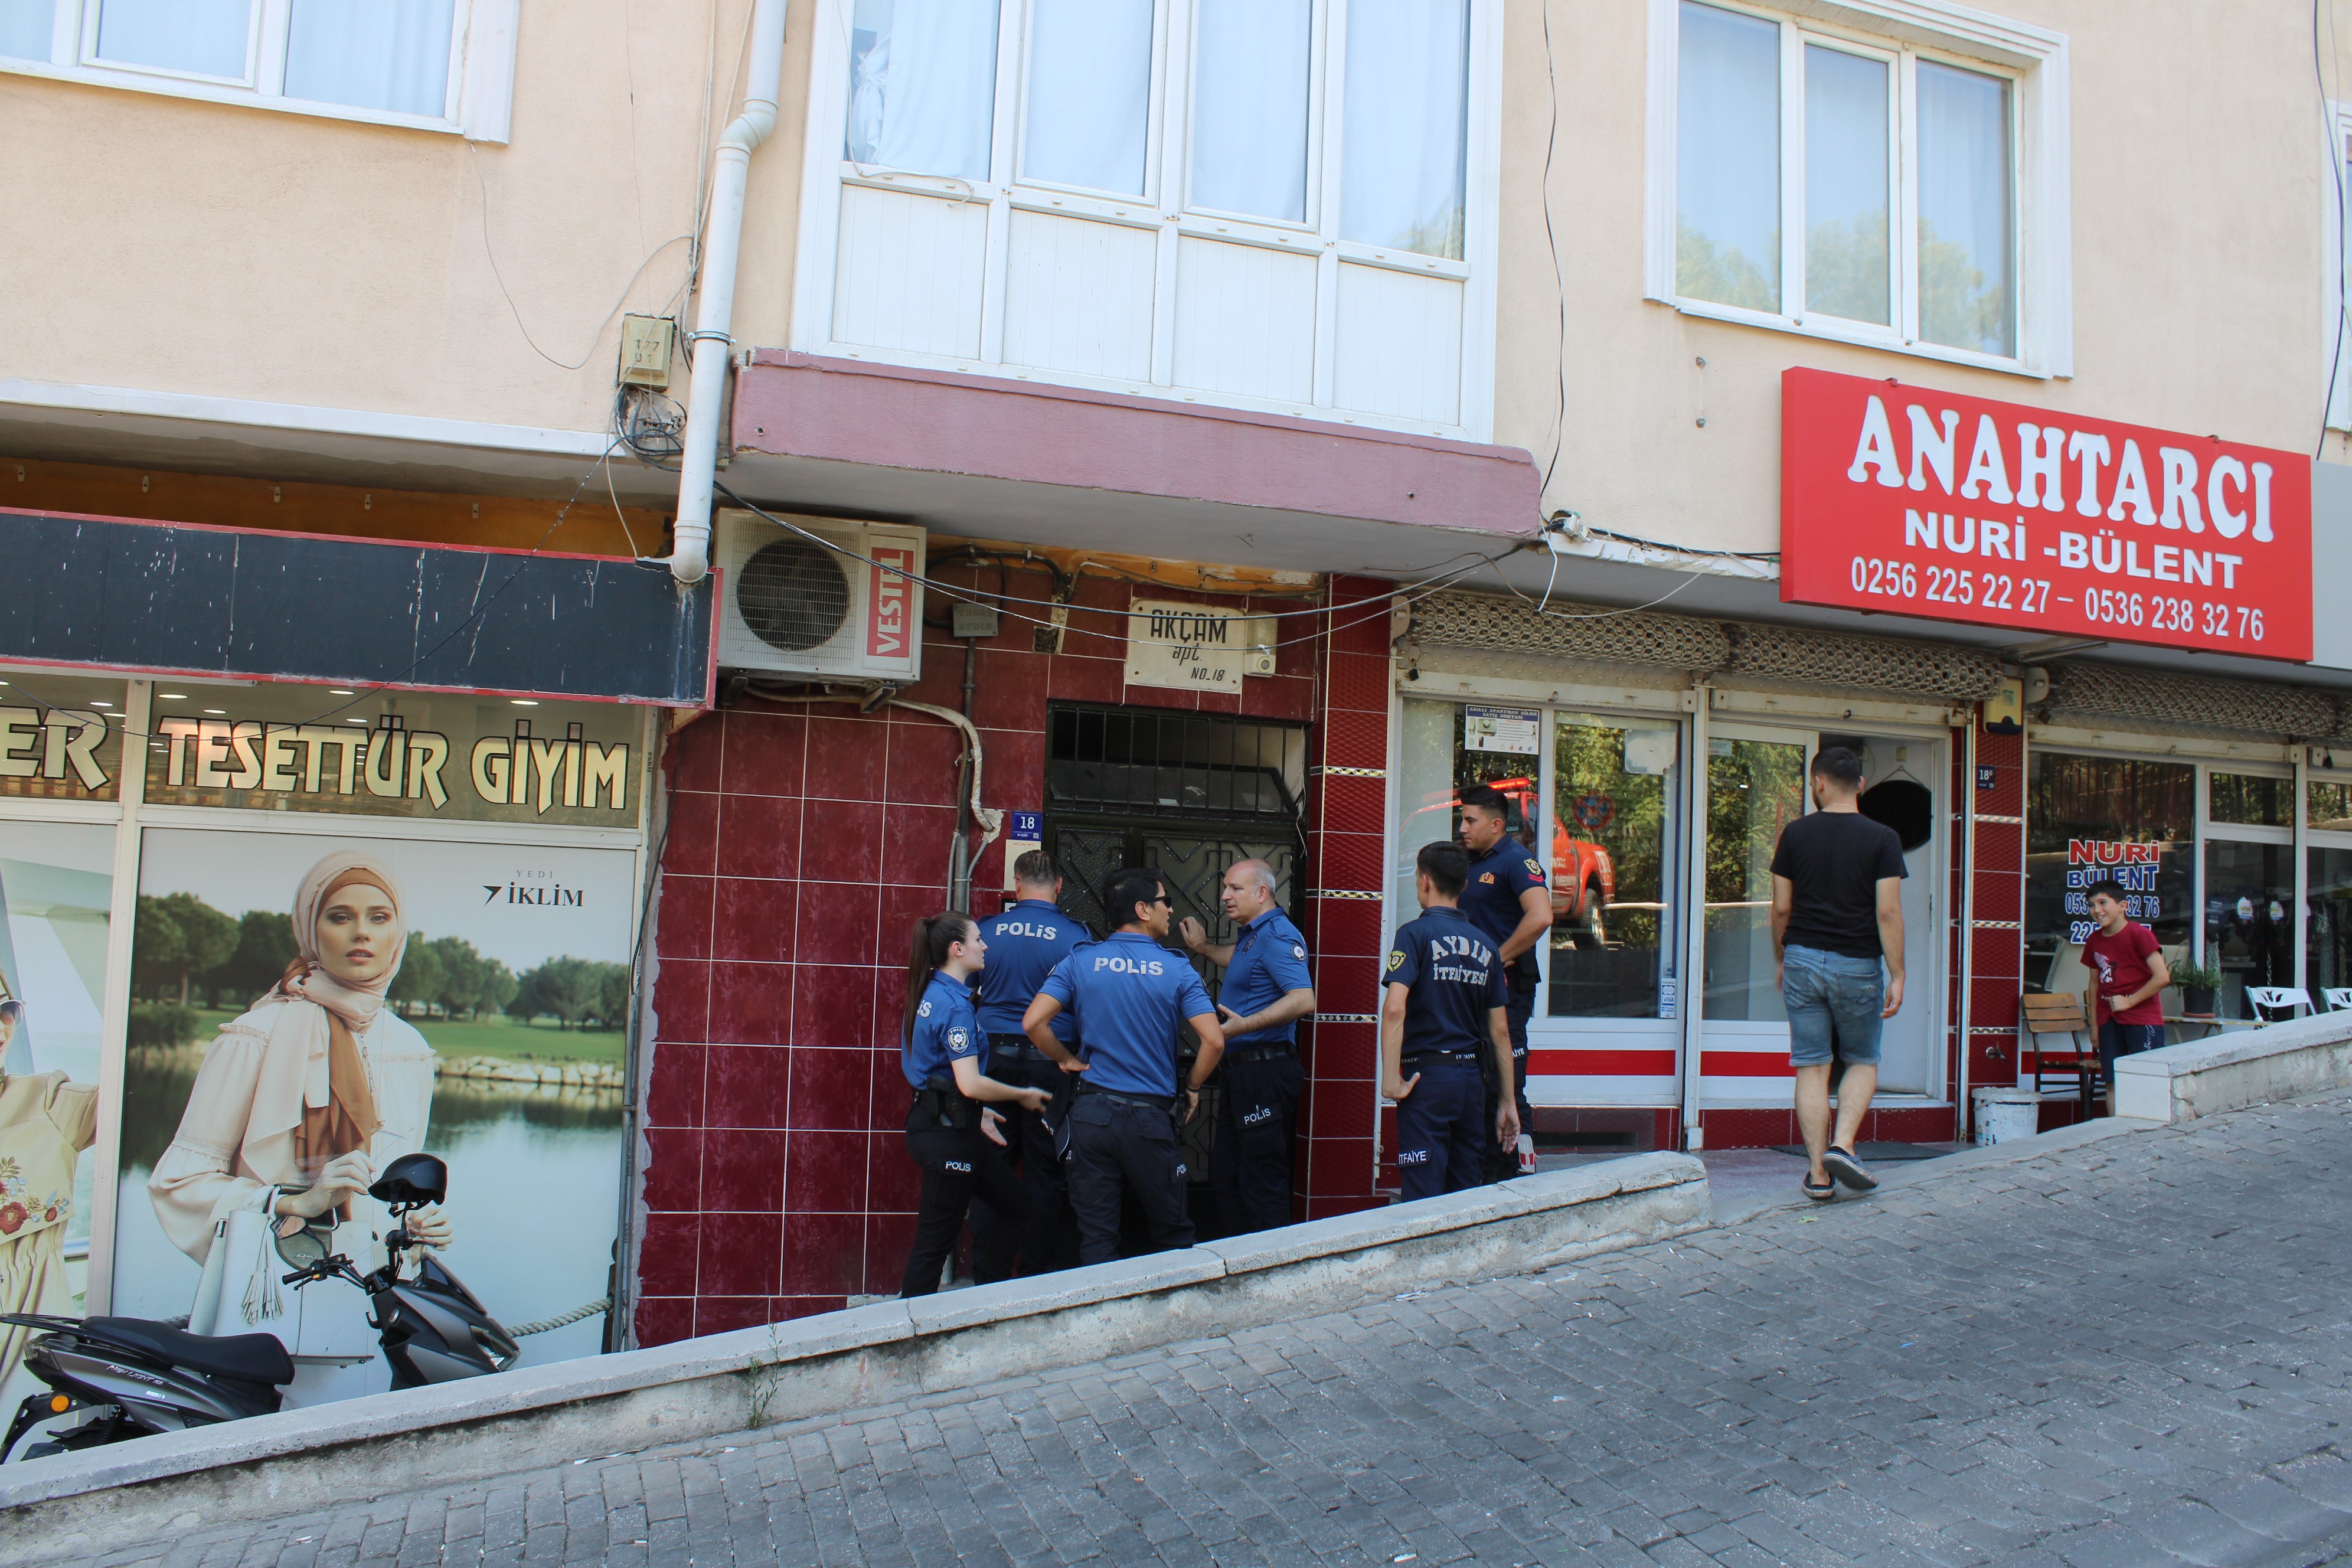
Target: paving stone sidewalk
pixel 2133 1352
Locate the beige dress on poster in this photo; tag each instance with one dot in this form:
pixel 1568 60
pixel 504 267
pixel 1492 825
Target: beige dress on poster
pixel 45 1122
pixel 236 1136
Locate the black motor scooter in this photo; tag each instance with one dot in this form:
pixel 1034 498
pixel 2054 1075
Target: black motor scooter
pixel 131 1377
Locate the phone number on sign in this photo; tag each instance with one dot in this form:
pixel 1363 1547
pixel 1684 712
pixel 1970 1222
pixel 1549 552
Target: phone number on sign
pixel 2031 596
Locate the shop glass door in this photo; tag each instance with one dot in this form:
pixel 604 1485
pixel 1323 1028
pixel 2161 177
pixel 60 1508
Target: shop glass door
pixel 2248 904
pixel 2328 922
pixel 1757 783
pixel 1608 1033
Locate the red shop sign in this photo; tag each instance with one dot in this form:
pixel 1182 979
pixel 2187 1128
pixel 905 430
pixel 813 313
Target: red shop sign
pixel 1916 502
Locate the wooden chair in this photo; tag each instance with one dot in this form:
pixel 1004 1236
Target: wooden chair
pixel 2268 999
pixel 2056 1017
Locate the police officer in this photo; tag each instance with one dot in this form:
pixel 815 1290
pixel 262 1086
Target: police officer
pixel 1024 943
pixel 1128 994
pixel 1266 992
pixel 1507 897
pixel 1442 1006
pixel 940 1050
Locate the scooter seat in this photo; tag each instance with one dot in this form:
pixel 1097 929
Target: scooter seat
pixel 249 1358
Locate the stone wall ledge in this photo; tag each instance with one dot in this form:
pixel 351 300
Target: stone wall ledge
pixel 2229 1072
pixel 70 1505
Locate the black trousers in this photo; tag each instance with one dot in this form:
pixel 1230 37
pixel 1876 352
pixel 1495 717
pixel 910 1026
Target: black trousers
pixel 1121 1149
pixel 1518 1009
pixel 1249 1165
pixel 958 1166
pixel 1050 1238
pixel 1442 1139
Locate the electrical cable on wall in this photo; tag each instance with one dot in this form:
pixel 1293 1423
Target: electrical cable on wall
pixel 2335 156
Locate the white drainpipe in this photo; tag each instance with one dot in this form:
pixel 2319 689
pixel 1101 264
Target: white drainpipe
pixel 722 239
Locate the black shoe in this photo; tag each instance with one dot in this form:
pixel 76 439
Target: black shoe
pixel 1820 1194
pixel 1848 1170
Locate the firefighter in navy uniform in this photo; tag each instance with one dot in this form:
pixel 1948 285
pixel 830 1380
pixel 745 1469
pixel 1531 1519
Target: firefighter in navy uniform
pixel 1024 942
pixel 1508 898
pixel 1128 994
pixel 1267 990
pixel 951 1122
pixel 1441 1007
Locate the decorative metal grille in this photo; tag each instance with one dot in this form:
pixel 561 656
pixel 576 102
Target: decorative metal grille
pixel 1870 664
pixel 1191 765
pixel 2108 691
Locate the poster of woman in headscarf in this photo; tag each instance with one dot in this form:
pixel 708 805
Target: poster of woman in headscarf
pixel 306 1009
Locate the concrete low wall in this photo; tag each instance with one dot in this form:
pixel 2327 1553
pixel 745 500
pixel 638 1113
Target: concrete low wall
pixel 77 1504
pixel 2250 1066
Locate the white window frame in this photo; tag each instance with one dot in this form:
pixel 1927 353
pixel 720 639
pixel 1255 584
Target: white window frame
pixel 478 106
pixel 1168 172
pixel 2335 295
pixel 2034 59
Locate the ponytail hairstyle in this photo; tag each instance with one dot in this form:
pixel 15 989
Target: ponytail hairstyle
pixel 933 935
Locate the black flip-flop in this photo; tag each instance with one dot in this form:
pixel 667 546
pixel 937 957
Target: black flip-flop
pixel 1845 1168
pixel 1820 1194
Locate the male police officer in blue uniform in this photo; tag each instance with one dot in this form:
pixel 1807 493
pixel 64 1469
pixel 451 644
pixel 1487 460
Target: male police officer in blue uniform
pixel 1129 994
pixel 1266 992
pixel 1442 1004
pixel 1024 942
pixel 1507 897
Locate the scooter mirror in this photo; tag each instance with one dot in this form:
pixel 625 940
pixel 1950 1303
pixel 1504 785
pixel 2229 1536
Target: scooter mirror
pixel 411 1180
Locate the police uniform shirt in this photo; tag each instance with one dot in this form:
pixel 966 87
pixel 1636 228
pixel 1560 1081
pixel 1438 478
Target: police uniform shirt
pixel 1454 979
pixel 1498 878
pixel 1269 961
pixel 1129 995
pixel 946 1029
pixel 1024 942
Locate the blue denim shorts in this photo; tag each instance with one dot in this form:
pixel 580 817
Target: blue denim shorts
pixel 1828 990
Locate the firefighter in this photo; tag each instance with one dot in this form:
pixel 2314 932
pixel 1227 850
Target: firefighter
pixel 1441 1009
pixel 1508 898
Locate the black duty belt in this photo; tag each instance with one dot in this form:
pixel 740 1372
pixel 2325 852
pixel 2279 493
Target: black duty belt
pixel 1421 1058
pixel 1260 1053
pixel 1150 1101
pixel 948 1105
pixel 1019 1048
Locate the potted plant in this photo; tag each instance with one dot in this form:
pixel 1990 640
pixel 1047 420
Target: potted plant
pixel 2197 985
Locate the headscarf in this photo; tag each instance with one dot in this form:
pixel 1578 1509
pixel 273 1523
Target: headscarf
pixel 335 1112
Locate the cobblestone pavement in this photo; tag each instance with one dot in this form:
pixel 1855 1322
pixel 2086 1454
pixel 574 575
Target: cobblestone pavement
pixel 2135 1350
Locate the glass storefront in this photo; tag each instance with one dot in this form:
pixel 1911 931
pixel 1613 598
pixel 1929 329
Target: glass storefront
pixel 2092 819
pixel 2248 918
pixel 1615 827
pixel 1754 788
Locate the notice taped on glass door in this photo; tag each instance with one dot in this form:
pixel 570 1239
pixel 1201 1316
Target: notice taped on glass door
pixel 1511 730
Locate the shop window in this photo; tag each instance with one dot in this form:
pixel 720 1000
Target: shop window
pixel 2329 804
pixel 2248 918
pixel 2328 937
pixel 1859 187
pixel 2092 819
pixel 1614 829
pixel 1093 190
pixel 2251 800
pixel 1448 747
pixel 1754 789
pixel 433 64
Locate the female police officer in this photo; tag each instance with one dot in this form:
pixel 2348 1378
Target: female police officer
pixel 941 1052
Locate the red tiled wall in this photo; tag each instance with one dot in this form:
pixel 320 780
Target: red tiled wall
pixel 802 842
pixel 1997 959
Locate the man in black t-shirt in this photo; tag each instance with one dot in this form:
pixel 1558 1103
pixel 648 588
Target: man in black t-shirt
pixel 1837 909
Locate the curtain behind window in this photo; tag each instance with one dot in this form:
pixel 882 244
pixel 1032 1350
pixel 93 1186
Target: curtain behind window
pixel 204 37
pixel 391 54
pixel 1728 159
pixel 1400 182
pixel 1965 300
pixel 25 28
pixel 1249 107
pixel 1089 93
pixel 922 93
pixel 1847 185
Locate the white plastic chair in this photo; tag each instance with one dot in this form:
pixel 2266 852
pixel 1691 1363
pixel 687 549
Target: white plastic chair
pixel 2339 998
pixel 2267 998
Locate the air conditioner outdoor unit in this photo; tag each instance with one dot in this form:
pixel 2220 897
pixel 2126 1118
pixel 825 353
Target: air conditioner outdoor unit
pixel 788 606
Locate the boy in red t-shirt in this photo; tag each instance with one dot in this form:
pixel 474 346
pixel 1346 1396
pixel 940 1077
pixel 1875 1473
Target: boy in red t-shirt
pixel 2128 975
